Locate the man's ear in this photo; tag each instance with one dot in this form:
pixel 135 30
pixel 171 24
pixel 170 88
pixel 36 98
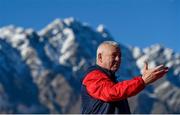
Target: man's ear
pixel 100 57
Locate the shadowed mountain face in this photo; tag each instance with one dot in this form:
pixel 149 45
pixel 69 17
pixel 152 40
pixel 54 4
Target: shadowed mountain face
pixel 40 72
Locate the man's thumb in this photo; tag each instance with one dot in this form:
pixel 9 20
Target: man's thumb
pixel 145 66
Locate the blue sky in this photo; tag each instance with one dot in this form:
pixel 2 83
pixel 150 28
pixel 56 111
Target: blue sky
pixel 134 22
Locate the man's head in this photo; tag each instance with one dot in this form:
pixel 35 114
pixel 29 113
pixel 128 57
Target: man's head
pixel 109 55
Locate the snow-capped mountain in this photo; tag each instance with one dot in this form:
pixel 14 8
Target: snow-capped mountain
pixel 40 72
pixel 165 93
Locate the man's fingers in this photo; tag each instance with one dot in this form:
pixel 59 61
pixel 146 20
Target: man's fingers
pixel 166 69
pixel 160 73
pixel 160 67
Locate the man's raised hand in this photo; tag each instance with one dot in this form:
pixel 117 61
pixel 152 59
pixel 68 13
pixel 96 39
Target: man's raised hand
pixel 151 75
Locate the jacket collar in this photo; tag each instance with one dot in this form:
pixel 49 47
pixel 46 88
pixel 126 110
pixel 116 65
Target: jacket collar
pixel 109 73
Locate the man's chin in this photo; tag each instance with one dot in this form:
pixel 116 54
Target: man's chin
pixel 115 69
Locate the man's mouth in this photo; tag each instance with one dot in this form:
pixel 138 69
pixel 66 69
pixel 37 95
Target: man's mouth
pixel 116 65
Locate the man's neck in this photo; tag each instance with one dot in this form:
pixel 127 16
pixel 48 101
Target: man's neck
pixel 105 68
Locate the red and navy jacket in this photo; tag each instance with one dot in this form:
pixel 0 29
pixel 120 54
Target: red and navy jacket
pixel 102 94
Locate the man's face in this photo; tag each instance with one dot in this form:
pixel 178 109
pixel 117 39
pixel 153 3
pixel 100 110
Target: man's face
pixel 111 58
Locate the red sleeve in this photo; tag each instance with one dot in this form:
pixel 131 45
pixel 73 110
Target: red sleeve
pixel 99 86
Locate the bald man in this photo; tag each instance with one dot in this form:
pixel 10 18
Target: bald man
pixel 100 91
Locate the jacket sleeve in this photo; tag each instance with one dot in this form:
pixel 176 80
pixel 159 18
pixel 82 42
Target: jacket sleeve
pixel 99 86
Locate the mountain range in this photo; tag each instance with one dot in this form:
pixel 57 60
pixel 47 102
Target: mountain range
pixel 41 71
